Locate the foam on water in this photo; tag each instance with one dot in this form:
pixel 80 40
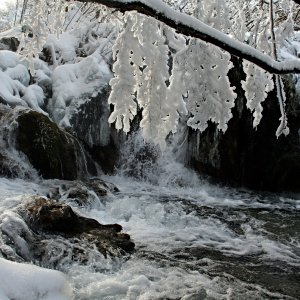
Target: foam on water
pixel 168 225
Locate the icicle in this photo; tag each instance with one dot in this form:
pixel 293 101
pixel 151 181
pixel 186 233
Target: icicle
pixel 283 127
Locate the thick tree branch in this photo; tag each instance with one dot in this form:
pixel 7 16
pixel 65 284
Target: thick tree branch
pixel 192 27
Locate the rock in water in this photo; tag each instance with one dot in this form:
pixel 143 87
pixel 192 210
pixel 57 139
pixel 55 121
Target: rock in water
pixel 83 194
pixel 50 217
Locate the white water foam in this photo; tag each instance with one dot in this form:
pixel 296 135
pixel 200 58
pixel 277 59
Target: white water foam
pixel 157 220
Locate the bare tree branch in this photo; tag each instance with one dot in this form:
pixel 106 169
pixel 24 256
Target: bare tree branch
pixel 192 27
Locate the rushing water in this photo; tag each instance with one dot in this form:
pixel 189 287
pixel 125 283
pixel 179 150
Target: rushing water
pixel 193 240
pixel 197 242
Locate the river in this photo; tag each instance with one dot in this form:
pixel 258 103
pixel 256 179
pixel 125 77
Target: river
pixel 193 241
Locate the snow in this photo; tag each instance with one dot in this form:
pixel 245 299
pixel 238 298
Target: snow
pixel 14 93
pixel 214 36
pixel 9 91
pixel 77 70
pixel 8 59
pixel 257 85
pixel 14 83
pixel 34 96
pixel 24 281
pixel 66 44
pixel 74 83
pixel 42 73
pixel 20 73
pixel 149 219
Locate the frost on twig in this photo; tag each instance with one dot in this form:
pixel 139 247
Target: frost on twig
pixel 141 76
pixel 257 85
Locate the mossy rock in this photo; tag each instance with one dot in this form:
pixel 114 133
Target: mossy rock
pixel 52 151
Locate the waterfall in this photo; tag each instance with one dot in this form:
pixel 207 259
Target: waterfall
pixel 147 162
pixel 13 163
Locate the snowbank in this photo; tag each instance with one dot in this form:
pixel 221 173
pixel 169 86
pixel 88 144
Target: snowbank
pixel 24 281
pixel 14 83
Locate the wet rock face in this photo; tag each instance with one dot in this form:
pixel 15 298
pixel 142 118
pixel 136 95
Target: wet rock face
pixel 52 151
pixel 249 157
pixel 101 187
pixel 49 217
pixel 101 140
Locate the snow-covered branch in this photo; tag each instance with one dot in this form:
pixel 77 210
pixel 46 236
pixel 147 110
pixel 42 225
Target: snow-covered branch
pixel 190 26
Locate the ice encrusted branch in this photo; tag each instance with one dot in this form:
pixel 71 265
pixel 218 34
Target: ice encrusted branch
pixel 190 26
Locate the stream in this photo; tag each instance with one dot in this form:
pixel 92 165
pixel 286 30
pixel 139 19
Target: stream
pixel 194 242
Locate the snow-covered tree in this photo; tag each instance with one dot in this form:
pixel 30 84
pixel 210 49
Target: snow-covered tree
pixel 126 50
pixel 203 73
pixel 170 58
pixel 209 94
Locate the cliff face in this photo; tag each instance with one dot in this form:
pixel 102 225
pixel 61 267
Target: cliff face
pixel 249 157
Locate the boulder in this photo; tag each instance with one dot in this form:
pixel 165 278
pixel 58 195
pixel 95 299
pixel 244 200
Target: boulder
pixel 54 152
pixel 51 218
pixel 12 163
pixel 101 187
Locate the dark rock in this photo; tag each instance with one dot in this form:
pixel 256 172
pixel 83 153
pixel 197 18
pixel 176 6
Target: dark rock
pixel 91 126
pixel 50 217
pixel 12 163
pixel 101 187
pixel 52 151
pixel 254 158
pixel 79 194
pixel 9 43
pixel 105 156
pixel 83 193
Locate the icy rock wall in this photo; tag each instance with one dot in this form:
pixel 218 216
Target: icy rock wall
pixel 249 157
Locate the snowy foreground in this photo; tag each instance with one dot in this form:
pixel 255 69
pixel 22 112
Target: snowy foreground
pixel 25 281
